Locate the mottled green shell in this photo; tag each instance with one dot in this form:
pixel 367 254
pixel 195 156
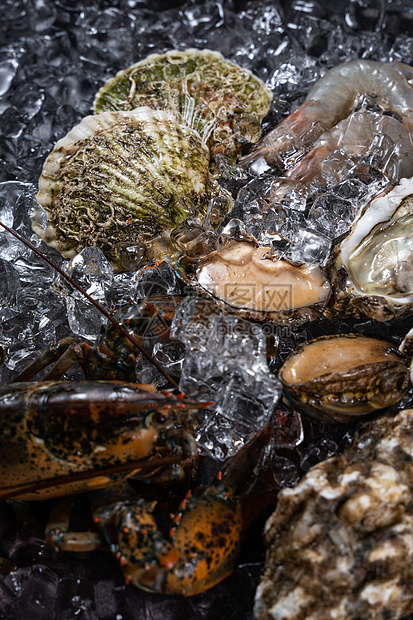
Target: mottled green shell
pixel 119 179
pixel 223 102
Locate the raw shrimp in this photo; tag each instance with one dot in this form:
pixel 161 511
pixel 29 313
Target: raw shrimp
pixel 338 93
pixel 360 135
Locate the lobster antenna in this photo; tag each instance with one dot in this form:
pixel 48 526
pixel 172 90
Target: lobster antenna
pixel 97 305
pixel 46 483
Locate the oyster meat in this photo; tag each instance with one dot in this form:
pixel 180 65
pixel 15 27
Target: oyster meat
pixel 340 543
pixel 223 102
pixel 246 278
pixel 337 379
pixel 120 179
pixel 372 274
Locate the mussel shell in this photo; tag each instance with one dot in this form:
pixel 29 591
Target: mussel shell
pixel 343 397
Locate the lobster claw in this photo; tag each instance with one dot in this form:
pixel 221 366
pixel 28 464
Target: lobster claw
pixel 139 543
pixel 204 542
pixel 207 536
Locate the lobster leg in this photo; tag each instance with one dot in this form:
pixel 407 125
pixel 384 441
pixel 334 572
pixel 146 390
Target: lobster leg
pixel 73 354
pixel 60 538
pixel 49 355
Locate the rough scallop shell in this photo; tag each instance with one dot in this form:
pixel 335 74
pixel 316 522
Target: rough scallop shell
pixel 118 179
pixel 204 90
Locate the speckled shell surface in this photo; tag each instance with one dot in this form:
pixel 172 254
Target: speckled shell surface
pixel 347 394
pixel 119 179
pixel 204 90
pixel 340 543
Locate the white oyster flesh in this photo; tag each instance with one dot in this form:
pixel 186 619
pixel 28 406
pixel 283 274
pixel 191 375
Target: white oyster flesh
pixel 378 253
pixel 244 276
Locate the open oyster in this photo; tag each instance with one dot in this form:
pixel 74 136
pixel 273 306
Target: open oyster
pixel 118 179
pixel 372 274
pixel 406 347
pixel 223 102
pixel 245 278
pixel 336 379
pixel 340 543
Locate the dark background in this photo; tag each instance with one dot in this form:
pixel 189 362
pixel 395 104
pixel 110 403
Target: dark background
pixel 46 585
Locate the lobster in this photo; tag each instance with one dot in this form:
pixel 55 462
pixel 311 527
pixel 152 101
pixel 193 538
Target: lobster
pixel 205 539
pixel 62 437
pixel 112 357
pixel 72 428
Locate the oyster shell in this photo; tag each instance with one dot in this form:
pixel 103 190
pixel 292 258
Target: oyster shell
pixel 336 379
pixel 340 543
pixel 118 179
pixel 248 280
pixel 220 100
pixel 406 347
pixel 372 274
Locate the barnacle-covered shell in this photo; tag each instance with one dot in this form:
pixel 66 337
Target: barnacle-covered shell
pixel 207 92
pixel 340 543
pixel 118 179
pixel 373 271
pixel 336 379
pixel 246 279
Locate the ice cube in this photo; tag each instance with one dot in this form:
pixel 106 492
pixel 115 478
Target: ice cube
pixel 158 280
pixel 225 362
pixel 309 246
pixel 9 286
pixel 16 201
pixel 332 215
pixel 8 70
pixel 29 592
pixel 91 270
pixel 335 166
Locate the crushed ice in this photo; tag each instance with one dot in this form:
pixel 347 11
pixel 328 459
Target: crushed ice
pixel 53 59
pixel 52 64
pixel 225 362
